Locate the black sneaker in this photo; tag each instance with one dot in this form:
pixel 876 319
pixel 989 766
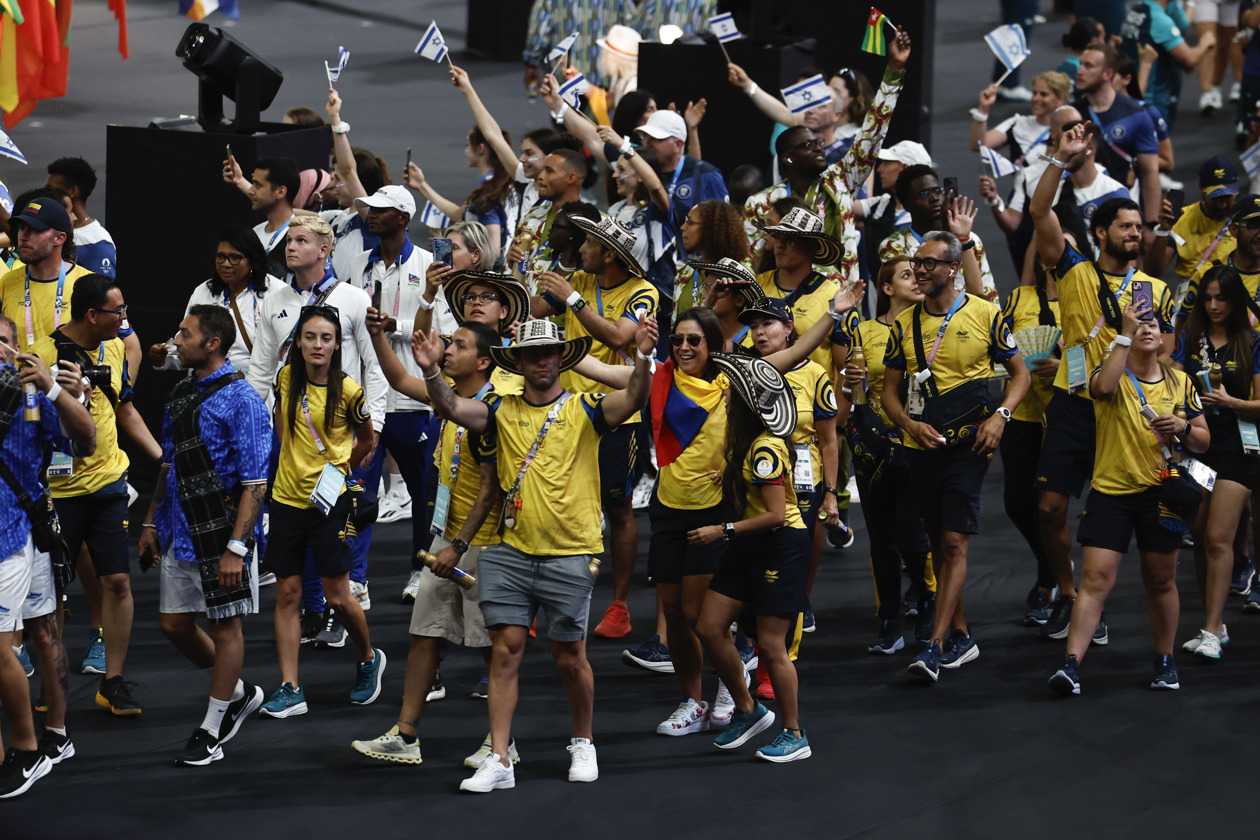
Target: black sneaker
pixel 238 710
pixel 1067 680
pixel 1056 627
pixel 1241 580
pixel 1100 632
pixel 333 635
pixel 1040 606
pixel 437 691
pixel 925 615
pixel 1165 674
pixel 890 640
pixel 201 749
pixel 482 691
pixel 21 769
pixel 312 623
pixel 115 696
pixel 57 747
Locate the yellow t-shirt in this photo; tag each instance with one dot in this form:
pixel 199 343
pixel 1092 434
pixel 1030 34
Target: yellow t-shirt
pixel 109 462
pixel 300 459
pixel 873 337
pixel 1251 281
pixel 560 500
pixel 767 462
pixel 1127 457
pixel 44 310
pixel 810 305
pixel 1199 231
pixel 1023 310
pixel 1079 309
pixel 686 483
pixel 815 400
pixel 616 303
pixel 474 450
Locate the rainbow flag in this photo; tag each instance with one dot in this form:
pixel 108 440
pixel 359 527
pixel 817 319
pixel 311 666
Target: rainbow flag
pixel 681 405
pixel 873 41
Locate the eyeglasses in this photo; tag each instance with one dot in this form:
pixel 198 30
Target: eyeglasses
pixel 480 297
pixel 808 145
pixel 231 259
pixel 934 191
pixel 121 311
pixel 926 263
pixel 690 339
pixel 1249 224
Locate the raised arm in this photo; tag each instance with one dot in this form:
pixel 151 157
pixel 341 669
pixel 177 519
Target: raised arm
pixel 343 156
pixel 858 162
pixel 1103 383
pixel 693 116
pixel 616 377
pixel 845 299
pixel 1048 237
pixel 620 406
pixel 415 180
pixel 397 376
pixel 981 134
pixel 767 103
pixel 649 176
pixel 962 215
pixel 486 123
pixel 574 123
pixel 473 415
pixel 1007 218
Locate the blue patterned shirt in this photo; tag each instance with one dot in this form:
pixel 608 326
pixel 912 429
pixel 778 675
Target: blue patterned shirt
pixel 24 449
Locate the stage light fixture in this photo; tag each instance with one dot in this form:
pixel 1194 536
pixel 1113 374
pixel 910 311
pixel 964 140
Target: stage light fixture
pixel 227 68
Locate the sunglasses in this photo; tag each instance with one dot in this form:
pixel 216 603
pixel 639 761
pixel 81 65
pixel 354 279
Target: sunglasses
pixel 690 339
pixel 332 313
pixel 929 193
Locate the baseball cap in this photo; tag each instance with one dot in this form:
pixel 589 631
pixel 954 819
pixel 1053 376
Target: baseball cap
pixel 908 152
pixel 663 124
pixel 765 307
pixel 1217 176
pixel 1246 207
pixel 42 214
pixel 391 195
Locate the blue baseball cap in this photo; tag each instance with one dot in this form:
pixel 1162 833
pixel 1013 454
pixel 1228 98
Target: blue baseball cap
pixel 1217 176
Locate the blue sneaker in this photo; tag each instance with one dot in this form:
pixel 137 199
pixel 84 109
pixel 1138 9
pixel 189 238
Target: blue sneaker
pixel 1253 600
pixel 744 726
pixel 786 747
pixel 890 640
pixel 808 625
pixel 925 615
pixel 1101 636
pixel 286 702
pixel 1241 580
pixel 368 686
pixel 24 658
pixel 94 659
pixel 747 652
pixel 1067 680
pixel 1165 674
pixel 650 656
pixel 928 663
pixel 1040 605
pixel 482 691
pixel 960 648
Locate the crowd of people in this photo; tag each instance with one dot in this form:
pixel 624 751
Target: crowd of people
pixel 728 356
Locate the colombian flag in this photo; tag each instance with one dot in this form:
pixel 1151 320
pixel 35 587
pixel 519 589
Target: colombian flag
pixel 680 406
pixel 873 42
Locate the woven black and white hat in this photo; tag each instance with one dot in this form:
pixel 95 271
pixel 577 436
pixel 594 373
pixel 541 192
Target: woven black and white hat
pixel 511 294
pixel 802 223
pixel 610 233
pixel 540 333
pixel 760 385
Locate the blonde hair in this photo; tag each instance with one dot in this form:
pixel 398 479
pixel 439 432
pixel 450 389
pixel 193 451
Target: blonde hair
pixel 1059 83
pixel 315 225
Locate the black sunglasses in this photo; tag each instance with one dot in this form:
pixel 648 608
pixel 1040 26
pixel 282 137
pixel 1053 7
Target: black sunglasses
pixel 690 339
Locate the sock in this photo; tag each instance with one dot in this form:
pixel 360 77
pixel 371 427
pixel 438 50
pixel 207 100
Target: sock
pixel 215 713
pixel 61 731
pixel 239 691
pixel 17 650
pixel 395 481
pixel 408 739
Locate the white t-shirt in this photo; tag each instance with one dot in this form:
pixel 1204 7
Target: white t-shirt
pixel 271 240
pixel 1087 198
pixel 348 242
pixel 96 251
pixel 634 219
pixel 1025 130
pixel 250 306
pixel 530 196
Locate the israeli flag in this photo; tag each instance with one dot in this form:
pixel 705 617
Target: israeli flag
pixel 997 164
pixel 572 89
pixel 9 149
pixel 343 56
pixel 1251 164
pixel 561 49
pixel 432 46
pixel 810 93
pixel 1008 44
pixel 431 217
pixel 6 200
pixel 723 26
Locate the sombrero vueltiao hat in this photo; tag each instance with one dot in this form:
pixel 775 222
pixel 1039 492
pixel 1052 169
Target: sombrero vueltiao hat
pixel 735 273
pixel 614 237
pixel 762 388
pixel 511 294
pixel 541 333
pixel 802 223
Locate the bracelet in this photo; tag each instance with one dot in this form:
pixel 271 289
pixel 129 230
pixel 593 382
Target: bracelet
pixel 626 147
pixel 847 391
pixel 559 115
pixel 427 305
pixel 1122 341
pixel 148 525
pixel 1159 231
pixel 238 548
pixel 979 116
pixel 752 89
pixel 572 299
pixel 54 392
pixel 341 128
pixel 437 375
pixel 838 315
pixel 642 355
pixel 830 490
pixel 969 244
pixel 1053 161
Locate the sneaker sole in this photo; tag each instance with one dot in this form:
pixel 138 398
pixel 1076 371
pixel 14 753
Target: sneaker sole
pixel 473 762
pixel 889 651
pixel 42 768
pixel 760 725
pixel 718 722
pixel 248 709
pixel 798 755
pixel 478 695
pixel 330 645
pixel 633 661
pixel 363 748
pixel 105 704
pixel 1104 639
pixel 972 654
pixel 1062 684
pixel 503 784
pixel 290 711
pixel 1031 620
pixel 1160 685
pixel 1206 657
pixel 434 696
pixel 1057 634
pixel 91 669
pixel 268 579
pixel 921 670
pixel 1251 606
pixel 63 754
pixel 698 726
pixel 202 762
pixel 380 676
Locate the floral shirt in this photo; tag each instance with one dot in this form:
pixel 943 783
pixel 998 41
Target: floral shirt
pixel 531 237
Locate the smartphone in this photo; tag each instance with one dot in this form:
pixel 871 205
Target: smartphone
pixel 951 188
pixel 407 165
pixel 229 149
pixel 376 295
pixel 442 250
pixel 1143 299
pixel 1177 198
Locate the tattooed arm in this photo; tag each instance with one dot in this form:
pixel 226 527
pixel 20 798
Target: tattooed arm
pixel 473 415
pixel 231 564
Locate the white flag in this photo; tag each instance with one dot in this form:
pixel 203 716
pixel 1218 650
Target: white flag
pixel 9 149
pixel 1251 164
pixel 1008 44
pixel 723 26
pixel 561 49
pixel 431 217
pixel 807 94
pixel 572 89
pixel 6 200
pixel 997 164
pixel 343 55
pixel 432 46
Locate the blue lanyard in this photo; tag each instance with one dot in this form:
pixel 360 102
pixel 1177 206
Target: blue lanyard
pixel 739 336
pixel 677 171
pixel 459 439
pixel 275 236
pixel 917 238
pixel 949 316
pixel 1102 319
pixel 57 304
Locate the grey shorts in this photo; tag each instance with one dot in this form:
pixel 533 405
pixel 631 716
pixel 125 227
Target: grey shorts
pixel 514 585
pixel 180 590
pixel 445 610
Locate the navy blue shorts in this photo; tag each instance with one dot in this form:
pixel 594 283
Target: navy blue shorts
pixel 670 556
pixel 947 485
pixel 1067 450
pixel 1111 521
pixel 767 570
pixel 619 464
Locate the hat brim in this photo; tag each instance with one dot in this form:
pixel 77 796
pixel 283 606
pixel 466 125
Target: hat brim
pixel 830 249
pixel 722 271
pixel 750 378
pixel 757 309
pixel 1219 189
pixel 571 352
pixel 32 222
pixel 381 204
pixel 514 297
pixel 618 248
pixel 657 133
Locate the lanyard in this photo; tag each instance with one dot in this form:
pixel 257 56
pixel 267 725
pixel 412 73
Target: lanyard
pixel 739 336
pixel 1119 293
pixel 1093 115
pixel 276 236
pixel 227 304
pixel 1207 255
pixel 1137 386
pixel 677 171
pixel 1041 138
pixel 368 281
pixel 57 304
pixel 459 441
pixel 917 238
pixel 306 412
pixel 940 333
pixel 513 495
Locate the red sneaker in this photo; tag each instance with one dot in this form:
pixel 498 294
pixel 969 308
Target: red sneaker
pixel 533 629
pixel 765 690
pixel 616 623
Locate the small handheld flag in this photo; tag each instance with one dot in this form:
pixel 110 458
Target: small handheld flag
pixel 560 50
pixel 6 200
pixel 1251 162
pixel 723 26
pixel 997 164
pixel 433 46
pixel 9 149
pixel 343 56
pixel 807 94
pixel 873 41
pixel 1009 45
pixel 572 89
pixel 431 217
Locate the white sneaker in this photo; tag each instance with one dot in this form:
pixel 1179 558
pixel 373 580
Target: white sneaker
pixel 485 751
pixel 642 496
pixel 1210 100
pixel 360 592
pixel 689 717
pixel 1209 645
pixel 491 775
pixel 1015 94
pixel 1235 92
pixel 390 747
pixel 582 764
pixel 723 706
pixel 1193 644
pixel 1166 182
pixel 412 588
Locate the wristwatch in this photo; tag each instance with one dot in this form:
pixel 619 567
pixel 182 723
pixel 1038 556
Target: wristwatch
pixel 578 305
pixel 1004 413
pixel 459 545
pixel 728 530
pixel 830 490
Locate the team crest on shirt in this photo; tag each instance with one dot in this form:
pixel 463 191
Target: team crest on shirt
pixel 772 575
pixel 684 192
pixel 412 280
pixel 1117 131
pixel 962 335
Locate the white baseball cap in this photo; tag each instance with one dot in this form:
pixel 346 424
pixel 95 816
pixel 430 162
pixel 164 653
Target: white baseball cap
pixel 908 152
pixel 663 124
pixel 391 195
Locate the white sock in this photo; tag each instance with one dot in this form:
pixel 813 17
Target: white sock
pixel 239 691
pixel 395 481
pixel 215 713
pixel 61 731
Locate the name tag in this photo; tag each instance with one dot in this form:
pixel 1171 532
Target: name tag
pixel 803 472
pixel 914 399
pixel 62 465
pixel 441 507
pixel 1201 473
pixel 1250 439
pixel 328 489
pixel 1078 375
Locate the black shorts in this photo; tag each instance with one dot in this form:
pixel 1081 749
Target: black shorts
pixel 293 530
pixel 809 502
pixel 1067 452
pixel 1110 521
pixel 947 484
pixel 670 557
pixel 1233 466
pixel 769 571
pixel 619 464
pixel 98 520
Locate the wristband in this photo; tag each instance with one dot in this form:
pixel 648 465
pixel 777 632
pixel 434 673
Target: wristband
pixel 626 147
pixel 1053 161
pixel 54 392
pixel 839 316
pixel 148 525
pixel 830 490
pixel 238 548
pixel 998 205
pixel 341 128
pixel 641 355
pixel 1159 231
pixel 1122 341
pixel 437 375
pixel 979 116
pixel 847 391
pixel 752 89
pixel 969 244
pixel 572 299
pixel 427 305
pixel 559 115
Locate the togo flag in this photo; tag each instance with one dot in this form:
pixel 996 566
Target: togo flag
pixel 343 55
pixel 431 217
pixel 561 49
pixel 997 164
pixel 198 9
pixel 807 94
pixel 873 40
pixel 1008 44
pixel 572 89
pixel 723 26
pixel 9 149
pixel 432 46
